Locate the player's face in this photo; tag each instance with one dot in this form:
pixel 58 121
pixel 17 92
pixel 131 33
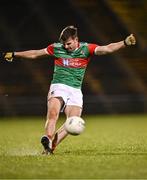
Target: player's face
pixel 71 44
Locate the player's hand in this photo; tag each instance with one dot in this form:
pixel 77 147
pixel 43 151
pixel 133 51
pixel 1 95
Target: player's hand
pixel 8 56
pixel 130 40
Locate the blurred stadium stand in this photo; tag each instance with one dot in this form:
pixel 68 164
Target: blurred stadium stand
pixel 113 84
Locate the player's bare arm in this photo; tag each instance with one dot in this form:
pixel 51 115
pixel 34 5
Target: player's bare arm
pixel 30 54
pixel 110 48
pixel 102 50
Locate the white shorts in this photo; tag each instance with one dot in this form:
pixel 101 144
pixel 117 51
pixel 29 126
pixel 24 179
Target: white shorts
pixel 70 95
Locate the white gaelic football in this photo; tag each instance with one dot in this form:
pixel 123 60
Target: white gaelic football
pixel 74 125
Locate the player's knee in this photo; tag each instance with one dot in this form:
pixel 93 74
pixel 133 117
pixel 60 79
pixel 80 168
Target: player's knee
pixel 53 114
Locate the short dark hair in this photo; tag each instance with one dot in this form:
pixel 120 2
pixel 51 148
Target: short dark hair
pixel 67 32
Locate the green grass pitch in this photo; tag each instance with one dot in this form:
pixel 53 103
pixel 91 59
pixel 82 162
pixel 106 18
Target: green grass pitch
pixel 111 147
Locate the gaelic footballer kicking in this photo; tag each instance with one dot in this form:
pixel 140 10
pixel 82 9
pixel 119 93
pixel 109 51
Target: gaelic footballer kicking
pixel 71 59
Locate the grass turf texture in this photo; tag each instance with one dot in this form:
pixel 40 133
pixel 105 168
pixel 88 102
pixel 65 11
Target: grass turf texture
pixel 111 147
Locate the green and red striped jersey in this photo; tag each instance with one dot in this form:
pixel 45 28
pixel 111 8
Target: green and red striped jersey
pixel 70 66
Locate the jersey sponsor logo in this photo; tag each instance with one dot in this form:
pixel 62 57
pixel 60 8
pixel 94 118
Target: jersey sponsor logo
pixel 72 62
pixel 65 62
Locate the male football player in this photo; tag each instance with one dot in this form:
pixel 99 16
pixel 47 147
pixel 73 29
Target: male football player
pixel 71 60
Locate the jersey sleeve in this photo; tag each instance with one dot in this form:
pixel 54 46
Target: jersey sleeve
pixel 91 48
pixel 50 49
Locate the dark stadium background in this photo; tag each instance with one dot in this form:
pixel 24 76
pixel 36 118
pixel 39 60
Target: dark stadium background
pixel 113 84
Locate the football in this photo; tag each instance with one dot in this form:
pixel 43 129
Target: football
pixel 74 125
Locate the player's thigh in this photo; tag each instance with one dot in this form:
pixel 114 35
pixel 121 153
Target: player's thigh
pixel 54 105
pixel 73 110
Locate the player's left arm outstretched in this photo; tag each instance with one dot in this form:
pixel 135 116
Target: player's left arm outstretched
pixel 110 48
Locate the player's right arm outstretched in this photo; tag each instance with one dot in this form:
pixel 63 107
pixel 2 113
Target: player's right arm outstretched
pixel 30 54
